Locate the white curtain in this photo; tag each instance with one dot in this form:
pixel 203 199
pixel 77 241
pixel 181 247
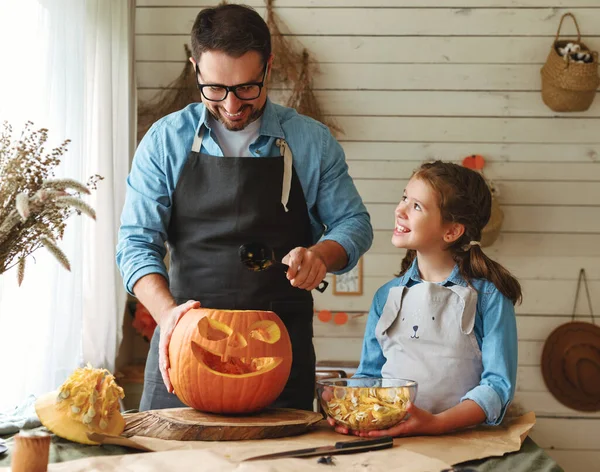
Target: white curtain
pixel 66 66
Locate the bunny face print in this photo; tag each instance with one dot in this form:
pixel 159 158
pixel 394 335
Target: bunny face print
pixel 426 334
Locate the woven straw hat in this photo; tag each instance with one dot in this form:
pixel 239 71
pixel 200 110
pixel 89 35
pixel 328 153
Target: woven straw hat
pixel 571 365
pixel 571 360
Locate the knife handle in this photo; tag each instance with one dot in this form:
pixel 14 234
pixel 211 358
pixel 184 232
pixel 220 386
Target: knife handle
pixel 383 440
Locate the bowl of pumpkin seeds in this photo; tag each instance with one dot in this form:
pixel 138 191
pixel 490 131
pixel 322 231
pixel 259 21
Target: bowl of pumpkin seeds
pixel 366 404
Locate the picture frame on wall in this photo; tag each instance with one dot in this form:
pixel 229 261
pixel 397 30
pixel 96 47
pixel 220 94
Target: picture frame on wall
pixel 350 283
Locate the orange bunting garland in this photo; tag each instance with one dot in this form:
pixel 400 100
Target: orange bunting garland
pixel 325 316
pixel 340 318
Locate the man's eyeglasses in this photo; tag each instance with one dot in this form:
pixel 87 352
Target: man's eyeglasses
pixel 218 92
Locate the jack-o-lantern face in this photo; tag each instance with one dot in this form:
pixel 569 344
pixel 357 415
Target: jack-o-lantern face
pixel 229 361
pixel 226 351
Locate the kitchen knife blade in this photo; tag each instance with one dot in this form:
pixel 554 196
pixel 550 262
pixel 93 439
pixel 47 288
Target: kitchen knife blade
pixel 340 447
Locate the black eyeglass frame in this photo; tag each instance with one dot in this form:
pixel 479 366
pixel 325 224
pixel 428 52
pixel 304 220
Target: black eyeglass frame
pixel 232 88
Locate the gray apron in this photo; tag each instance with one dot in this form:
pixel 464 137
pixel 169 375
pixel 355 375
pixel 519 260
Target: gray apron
pixel 220 203
pixel 426 334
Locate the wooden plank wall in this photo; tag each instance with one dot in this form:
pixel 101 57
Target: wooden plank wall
pixel 410 80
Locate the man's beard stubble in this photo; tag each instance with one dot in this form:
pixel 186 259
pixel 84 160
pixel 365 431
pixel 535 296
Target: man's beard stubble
pixel 255 115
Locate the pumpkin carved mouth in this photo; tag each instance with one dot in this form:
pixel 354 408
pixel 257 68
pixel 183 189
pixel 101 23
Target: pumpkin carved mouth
pixel 234 366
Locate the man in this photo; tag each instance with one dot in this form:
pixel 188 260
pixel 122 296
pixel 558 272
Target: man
pixel 283 182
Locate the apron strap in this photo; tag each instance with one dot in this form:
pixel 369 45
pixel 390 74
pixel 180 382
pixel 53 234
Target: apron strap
pixel 286 152
pixel 198 139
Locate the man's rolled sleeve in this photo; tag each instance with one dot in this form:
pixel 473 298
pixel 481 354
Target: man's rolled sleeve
pixel 145 217
pixel 142 272
pixel 340 206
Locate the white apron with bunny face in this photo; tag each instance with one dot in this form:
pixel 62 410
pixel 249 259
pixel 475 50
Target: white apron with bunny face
pixel 426 334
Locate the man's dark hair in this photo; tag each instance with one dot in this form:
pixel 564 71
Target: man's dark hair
pixel 232 29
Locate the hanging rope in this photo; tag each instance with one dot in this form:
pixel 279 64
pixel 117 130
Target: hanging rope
pixel 303 98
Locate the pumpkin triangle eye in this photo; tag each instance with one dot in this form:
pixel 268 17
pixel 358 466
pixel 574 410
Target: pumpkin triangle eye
pixel 213 330
pixel 236 340
pixel 266 331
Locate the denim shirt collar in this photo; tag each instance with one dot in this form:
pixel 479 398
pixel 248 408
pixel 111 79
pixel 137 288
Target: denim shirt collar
pixel 269 125
pixel 412 277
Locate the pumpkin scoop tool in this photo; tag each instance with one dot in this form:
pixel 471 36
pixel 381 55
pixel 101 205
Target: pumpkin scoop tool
pixel 258 257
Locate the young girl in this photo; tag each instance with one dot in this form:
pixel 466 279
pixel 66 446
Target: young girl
pixel 447 321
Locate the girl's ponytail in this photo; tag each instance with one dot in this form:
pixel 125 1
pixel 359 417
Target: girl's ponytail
pixel 474 264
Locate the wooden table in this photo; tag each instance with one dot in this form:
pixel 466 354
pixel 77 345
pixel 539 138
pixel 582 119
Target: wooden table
pixel 531 458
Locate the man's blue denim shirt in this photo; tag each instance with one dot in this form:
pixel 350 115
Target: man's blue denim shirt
pixel 335 208
pixel 495 330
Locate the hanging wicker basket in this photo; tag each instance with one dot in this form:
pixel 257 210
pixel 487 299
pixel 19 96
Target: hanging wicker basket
pixel 568 85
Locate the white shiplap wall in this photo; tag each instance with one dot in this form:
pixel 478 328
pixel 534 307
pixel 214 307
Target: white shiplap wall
pixel 411 80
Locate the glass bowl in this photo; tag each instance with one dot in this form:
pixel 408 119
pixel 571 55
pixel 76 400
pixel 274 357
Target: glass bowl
pixel 366 404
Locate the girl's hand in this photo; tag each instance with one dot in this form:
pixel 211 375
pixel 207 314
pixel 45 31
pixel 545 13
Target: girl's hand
pixel 341 428
pixel 327 394
pixel 420 423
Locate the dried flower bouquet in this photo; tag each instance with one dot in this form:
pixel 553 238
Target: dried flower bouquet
pixel 34 206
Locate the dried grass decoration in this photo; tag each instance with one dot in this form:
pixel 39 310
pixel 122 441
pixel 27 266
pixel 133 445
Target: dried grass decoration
pixel 285 64
pixel 34 206
pixel 175 96
pixel 303 98
pixel 570 74
pixel 491 230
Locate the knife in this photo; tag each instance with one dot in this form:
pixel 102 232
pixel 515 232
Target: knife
pixel 340 447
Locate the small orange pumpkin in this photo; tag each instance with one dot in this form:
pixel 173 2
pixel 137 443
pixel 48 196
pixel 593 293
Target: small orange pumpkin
pixel 474 162
pixel 229 361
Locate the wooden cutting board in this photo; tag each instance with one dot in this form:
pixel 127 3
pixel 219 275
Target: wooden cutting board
pixel 187 424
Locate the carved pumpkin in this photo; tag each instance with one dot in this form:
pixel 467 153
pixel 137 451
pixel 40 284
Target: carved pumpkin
pixel 229 361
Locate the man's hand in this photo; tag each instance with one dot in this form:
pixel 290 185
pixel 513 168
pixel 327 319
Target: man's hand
pixel 168 321
pixel 307 268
